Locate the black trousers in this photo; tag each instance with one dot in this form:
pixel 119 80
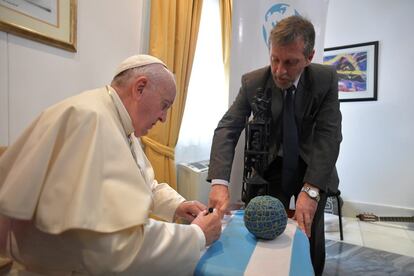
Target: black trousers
pixel 273 175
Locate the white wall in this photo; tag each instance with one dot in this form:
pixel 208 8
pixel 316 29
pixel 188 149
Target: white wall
pixel 376 162
pixel 376 159
pixel 247 36
pixel 4 99
pixel 34 75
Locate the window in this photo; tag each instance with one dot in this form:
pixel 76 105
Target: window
pixel 207 99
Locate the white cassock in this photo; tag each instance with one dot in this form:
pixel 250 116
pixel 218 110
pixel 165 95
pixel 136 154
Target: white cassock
pixel 76 192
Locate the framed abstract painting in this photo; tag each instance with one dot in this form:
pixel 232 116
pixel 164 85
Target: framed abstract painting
pixel 357 68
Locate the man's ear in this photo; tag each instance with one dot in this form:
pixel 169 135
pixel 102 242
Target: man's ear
pixel 310 57
pixel 138 87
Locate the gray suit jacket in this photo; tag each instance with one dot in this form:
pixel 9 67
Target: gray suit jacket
pixel 317 115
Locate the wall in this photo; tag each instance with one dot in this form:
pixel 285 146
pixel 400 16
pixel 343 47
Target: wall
pixel 4 95
pixel 249 25
pixel 34 75
pixel 377 154
pixel 376 159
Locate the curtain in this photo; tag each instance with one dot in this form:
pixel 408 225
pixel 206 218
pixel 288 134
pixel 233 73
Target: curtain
pixel 173 35
pixel 226 9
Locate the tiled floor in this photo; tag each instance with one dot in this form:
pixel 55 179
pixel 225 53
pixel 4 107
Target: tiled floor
pixel 369 248
pixel 392 237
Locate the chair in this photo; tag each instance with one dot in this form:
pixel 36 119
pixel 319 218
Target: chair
pixel 337 196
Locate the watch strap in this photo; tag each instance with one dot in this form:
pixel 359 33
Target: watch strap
pixel 307 190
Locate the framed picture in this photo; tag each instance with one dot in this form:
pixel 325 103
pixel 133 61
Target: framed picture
pixel 52 22
pixel 357 68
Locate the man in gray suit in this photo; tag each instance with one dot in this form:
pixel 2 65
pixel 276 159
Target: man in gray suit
pixel 317 120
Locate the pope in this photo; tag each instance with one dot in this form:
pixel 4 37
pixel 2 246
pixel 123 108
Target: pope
pixel 77 191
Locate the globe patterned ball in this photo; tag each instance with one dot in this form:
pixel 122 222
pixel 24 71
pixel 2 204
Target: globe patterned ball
pixel 265 217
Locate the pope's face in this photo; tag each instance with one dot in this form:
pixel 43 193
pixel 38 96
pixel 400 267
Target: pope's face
pixel 287 62
pixel 153 106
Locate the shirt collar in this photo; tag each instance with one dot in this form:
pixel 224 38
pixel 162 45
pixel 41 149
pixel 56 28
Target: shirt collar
pixel 122 112
pixel 296 82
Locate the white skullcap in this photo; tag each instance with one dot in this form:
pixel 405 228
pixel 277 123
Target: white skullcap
pixel 137 61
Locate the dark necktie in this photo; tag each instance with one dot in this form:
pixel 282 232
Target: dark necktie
pixel 290 143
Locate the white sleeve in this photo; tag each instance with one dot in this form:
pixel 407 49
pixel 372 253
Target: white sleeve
pixel 219 182
pixel 201 237
pixel 166 201
pixel 157 248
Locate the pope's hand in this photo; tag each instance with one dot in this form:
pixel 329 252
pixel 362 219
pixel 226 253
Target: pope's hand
pixel 188 210
pixel 219 198
pixel 210 223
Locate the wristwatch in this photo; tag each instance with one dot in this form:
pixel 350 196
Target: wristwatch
pixel 312 193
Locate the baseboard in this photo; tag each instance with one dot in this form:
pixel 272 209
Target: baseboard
pixel 353 208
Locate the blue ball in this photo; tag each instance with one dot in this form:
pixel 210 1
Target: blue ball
pixel 265 217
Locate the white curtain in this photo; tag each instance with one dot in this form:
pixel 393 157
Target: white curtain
pixel 207 99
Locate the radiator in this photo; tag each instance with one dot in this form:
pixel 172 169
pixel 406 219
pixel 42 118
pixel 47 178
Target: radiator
pixel 192 184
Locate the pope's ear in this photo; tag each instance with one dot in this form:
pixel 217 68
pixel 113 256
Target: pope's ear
pixel 138 87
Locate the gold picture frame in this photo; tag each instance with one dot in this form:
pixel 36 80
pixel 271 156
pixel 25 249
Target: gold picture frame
pixel 52 22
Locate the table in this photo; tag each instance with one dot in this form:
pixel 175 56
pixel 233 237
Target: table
pixel 238 252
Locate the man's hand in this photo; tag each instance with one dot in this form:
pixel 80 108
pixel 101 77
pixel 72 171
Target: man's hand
pixel 305 211
pixel 188 210
pixel 219 198
pixel 210 223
